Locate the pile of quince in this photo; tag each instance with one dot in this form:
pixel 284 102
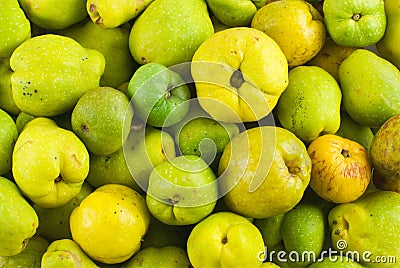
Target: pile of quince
pixel 199 133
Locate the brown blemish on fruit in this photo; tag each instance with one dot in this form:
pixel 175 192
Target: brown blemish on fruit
pixel 92 8
pixel 99 21
pixel 84 128
pixel 78 263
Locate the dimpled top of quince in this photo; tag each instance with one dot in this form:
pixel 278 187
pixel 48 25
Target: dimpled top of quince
pixel 268 180
pixel 51 72
pixel 239 74
pixel 15 27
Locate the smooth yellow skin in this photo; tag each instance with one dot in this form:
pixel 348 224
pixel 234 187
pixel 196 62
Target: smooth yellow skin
pixel 335 177
pixel 264 172
pixel 295 25
pixel 259 59
pixel 42 153
pixel 330 57
pixel 243 245
pixel 110 223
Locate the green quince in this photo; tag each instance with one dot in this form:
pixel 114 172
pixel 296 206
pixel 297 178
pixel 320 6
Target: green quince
pixel 51 72
pixel 6 100
pixel 355 23
pixel 8 137
pixel 49 163
pixel 54 14
pixel 310 105
pixel 18 221
pixel 232 12
pixel 388 46
pixel 368 226
pixel 370 87
pixel 15 27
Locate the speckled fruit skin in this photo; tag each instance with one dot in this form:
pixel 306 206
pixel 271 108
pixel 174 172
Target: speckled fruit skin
pixel 111 14
pixel 388 46
pixel 168 32
pixel 110 223
pixel 54 14
pixel 101 119
pixel 264 172
pixel 18 222
pixel 6 100
pixel 341 170
pixel 296 26
pixel 233 13
pixel 310 105
pixel 15 27
pixel 368 225
pixel 113 44
pixel 8 136
pixel 51 72
pixel 158 95
pixel 355 23
pixel 385 156
pixel 182 190
pixel 369 86
pixel 49 163
pixel 239 74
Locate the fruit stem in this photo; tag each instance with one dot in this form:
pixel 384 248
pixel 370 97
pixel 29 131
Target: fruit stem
pixel 168 93
pixel 237 79
pixel 175 199
pixel 356 16
pixel 345 153
pixel 58 179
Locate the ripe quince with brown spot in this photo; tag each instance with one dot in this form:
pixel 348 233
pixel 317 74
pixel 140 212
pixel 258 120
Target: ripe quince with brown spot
pixel 341 170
